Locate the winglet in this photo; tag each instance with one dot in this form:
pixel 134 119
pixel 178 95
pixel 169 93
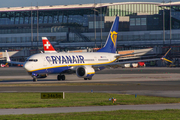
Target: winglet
pixel 164 57
pixel 48 48
pixel 7 57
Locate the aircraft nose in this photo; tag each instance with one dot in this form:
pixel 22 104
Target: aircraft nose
pixel 27 66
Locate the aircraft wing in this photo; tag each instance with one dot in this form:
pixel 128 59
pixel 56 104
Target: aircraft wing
pixel 8 60
pixel 117 64
pixel 14 62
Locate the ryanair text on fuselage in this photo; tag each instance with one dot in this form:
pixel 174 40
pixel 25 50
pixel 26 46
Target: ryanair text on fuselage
pixel 65 59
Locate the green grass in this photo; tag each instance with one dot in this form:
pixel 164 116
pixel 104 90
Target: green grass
pixel 112 115
pixel 33 100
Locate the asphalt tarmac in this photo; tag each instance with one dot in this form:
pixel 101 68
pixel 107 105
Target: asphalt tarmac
pixel 155 81
pixel 19 71
pixel 143 81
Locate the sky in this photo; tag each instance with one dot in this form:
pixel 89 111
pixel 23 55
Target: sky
pixel 25 3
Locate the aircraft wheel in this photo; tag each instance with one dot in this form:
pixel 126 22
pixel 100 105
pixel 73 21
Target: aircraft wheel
pixel 34 79
pixel 90 78
pixel 63 77
pixel 85 78
pixel 59 77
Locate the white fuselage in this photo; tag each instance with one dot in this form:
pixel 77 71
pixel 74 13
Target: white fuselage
pixel 58 60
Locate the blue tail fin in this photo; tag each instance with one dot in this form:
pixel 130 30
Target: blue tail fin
pixel 111 41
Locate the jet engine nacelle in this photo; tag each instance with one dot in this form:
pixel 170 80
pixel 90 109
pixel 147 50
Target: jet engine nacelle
pixel 41 75
pixel 85 71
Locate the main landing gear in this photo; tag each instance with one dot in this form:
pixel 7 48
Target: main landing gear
pixel 61 77
pixel 89 78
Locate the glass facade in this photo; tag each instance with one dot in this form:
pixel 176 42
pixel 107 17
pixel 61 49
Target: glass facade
pixel 68 25
pixel 133 9
pixel 46 17
pixel 175 16
pixel 75 16
pixel 137 21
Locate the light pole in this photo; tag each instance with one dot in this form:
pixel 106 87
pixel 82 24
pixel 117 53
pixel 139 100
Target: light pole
pixel 94 24
pixel 163 24
pixel 101 22
pixel 37 29
pixel 31 28
pixel 170 23
pixel 100 13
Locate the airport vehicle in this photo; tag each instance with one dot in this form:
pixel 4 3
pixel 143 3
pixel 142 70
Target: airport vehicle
pixel 134 65
pixel 83 64
pixel 127 65
pixel 141 64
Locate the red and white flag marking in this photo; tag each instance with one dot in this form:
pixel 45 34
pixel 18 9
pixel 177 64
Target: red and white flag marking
pixel 47 45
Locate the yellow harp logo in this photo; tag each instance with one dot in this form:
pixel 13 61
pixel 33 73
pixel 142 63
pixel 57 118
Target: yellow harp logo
pixel 114 37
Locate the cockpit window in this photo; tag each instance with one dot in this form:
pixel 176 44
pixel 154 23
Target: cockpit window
pixel 32 60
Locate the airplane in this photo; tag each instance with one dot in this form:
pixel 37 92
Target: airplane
pixel 84 64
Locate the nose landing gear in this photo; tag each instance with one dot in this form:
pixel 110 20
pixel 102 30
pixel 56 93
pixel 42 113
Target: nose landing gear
pixel 34 78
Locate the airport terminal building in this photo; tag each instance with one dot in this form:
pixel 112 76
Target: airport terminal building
pixel 141 25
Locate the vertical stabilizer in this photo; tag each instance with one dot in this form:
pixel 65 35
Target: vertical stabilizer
pixel 48 48
pixel 7 57
pixel 111 41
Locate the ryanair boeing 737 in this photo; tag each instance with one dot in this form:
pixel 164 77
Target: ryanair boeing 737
pixel 51 62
